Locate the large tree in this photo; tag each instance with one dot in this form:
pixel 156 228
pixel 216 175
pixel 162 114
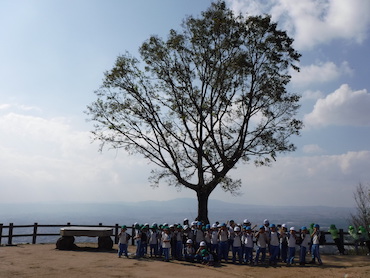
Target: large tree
pixel 202 100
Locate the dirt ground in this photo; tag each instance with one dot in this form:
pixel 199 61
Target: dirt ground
pixel 43 260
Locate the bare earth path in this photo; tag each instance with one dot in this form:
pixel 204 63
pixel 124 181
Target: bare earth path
pixel 43 260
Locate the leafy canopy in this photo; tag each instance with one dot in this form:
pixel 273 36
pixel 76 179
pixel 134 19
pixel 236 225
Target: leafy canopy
pixel 203 99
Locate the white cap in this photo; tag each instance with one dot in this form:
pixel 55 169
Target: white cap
pixel 283 226
pixel 266 221
pixel 246 221
pixel 189 241
pixel 292 229
pixel 214 225
pixel 237 229
pixel 203 243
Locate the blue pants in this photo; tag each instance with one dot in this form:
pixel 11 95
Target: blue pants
pixel 166 253
pixel 291 255
pixel 214 248
pixel 274 252
pixel 237 250
pixel 284 252
pixel 189 257
pixel 248 254
pixel 122 249
pixel 138 248
pixel 316 253
pixel 153 249
pixel 179 248
pixel 144 248
pixel 262 251
pixel 302 255
pixel 224 250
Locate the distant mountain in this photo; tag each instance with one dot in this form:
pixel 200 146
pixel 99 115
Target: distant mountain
pixel 171 211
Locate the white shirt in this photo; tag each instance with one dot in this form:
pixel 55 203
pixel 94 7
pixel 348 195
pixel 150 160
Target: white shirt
pixel 166 241
pixel 291 241
pixel 248 240
pixel 306 240
pixel 237 242
pixel 274 239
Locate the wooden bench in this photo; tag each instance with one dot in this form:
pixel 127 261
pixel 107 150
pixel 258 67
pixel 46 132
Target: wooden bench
pixel 66 241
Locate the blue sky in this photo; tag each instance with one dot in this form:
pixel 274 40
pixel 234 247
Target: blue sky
pixel 53 55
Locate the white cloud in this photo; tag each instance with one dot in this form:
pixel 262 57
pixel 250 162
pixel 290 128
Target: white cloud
pixel 313 148
pixel 343 107
pixel 314 22
pixel 312 180
pixel 307 95
pixel 48 160
pixel 320 73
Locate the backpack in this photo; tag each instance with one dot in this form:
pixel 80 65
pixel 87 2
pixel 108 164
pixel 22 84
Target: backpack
pixel 322 239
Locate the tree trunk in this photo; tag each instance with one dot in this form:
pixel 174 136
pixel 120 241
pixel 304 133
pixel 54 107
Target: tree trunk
pixel 203 207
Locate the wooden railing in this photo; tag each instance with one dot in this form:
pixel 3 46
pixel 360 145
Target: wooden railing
pixel 35 227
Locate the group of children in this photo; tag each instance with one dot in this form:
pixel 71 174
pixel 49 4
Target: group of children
pixel 209 244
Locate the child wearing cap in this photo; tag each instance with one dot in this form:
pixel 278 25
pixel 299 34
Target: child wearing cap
pixel 315 251
pixel 138 240
pixel 214 238
pixel 292 239
pixel 223 235
pixel 284 243
pixel 248 245
pixel 123 237
pixel 166 243
pixel 202 255
pixel 153 241
pixel 274 244
pixel 306 239
pixel 189 251
pixel 237 245
pixel 262 241
pixel 179 238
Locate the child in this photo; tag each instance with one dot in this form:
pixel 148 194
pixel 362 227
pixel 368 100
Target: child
pixel 214 238
pixel 166 243
pixel 335 236
pixel 138 240
pixel 274 245
pixel 202 255
pixel 179 238
pixel 153 241
pixel 189 251
pixel 283 243
pixel 306 239
pixel 223 235
pixel 237 245
pixel 292 239
pixel 262 241
pixel 316 244
pixel 124 237
pixel 353 233
pixel 248 245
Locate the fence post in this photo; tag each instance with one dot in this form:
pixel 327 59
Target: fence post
pixel 116 234
pixel 34 233
pixel 10 234
pixel 1 231
pixel 341 237
pixel 100 224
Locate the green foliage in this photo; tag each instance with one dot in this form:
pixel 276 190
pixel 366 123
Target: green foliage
pixel 205 98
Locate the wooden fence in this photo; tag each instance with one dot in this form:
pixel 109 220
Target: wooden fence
pixel 35 227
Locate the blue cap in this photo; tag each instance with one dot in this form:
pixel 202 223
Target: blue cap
pixel 304 228
pixel 316 226
pixel 272 226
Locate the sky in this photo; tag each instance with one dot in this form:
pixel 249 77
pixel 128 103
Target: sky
pixel 53 55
